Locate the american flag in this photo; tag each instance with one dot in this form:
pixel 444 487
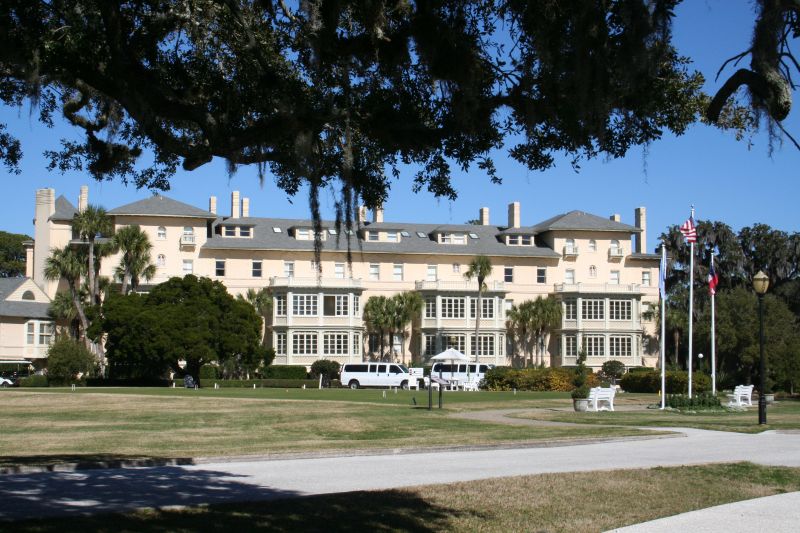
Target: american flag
pixel 689 230
pixel 713 279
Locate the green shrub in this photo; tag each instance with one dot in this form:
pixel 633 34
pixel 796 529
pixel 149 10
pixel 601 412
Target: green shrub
pixel 326 368
pixel 580 393
pixel 285 372
pixel 533 379
pixel 209 372
pixel 259 383
pixel 128 382
pixel 34 381
pixel 613 370
pixel 66 359
pixel 677 382
pixel 697 402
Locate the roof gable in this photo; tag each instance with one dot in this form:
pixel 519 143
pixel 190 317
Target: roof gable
pixel 582 221
pixel 64 210
pixel 159 205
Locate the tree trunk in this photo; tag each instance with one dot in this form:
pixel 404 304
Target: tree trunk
pixel 381 355
pixel 676 337
pixel 478 322
pixel 76 301
pixel 125 280
pixel 92 298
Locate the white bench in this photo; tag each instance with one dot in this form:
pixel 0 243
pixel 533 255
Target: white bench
pixel 742 396
pixel 471 385
pixel 600 394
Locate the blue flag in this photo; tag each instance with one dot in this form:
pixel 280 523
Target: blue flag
pixel 662 274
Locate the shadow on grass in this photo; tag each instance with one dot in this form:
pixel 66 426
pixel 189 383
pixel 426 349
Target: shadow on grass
pixel 12 464
pixel 390 510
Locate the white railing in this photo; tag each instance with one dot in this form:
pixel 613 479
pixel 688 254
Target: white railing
pixel 570 250
pixel 616 253
pixel 634 288
pixel 187 238
pixel 335 283
pixel 465 285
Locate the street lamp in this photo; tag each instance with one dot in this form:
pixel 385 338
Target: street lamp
pixel 760 285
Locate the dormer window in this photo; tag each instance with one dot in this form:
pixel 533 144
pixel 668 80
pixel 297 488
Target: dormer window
pixel 513 240
pixel 230 231
pixel 244 231
pixel 372 236
pixel 28 295
pixel 391 236
pixel 519 240
pixel 525 240
pixel 453 238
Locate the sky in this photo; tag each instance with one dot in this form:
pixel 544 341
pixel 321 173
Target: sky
pixel 732 181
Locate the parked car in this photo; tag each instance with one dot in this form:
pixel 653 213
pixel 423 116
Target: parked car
pixel 356 375
pixel 459 371
pixel 7 382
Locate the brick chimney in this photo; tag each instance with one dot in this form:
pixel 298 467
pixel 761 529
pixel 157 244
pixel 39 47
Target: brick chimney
pixel 212 205
pixel 615 217
pixel 235 204
pixel 484 216
pixel 45 207
pixel 245 207
pixel 513 215
pixel 377 215
pixel 83 199
pixel 362 214
pixel 640 239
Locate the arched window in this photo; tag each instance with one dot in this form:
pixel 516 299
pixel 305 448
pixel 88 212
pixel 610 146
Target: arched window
pixel 162 233
pixel 592 271
pixel 161 261
pixel 188 230
pixel 28 295
pixel 592 245
pixel 614 246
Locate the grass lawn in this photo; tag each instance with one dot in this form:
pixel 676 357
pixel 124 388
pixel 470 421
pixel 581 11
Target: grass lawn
pixel 45 427
pixel 780 415
pixel 548 502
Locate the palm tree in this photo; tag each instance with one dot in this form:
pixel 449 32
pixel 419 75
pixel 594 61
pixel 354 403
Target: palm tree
pixel 408 305
pixel 261 300
pixel 135 262
pixel 62 309
pixel 377 317
pixel 519 320
pixel 547 318
pixel 480 268
pixel 90 223
pixel 68 264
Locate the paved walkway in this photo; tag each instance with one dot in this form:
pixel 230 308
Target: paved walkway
pixel 115 490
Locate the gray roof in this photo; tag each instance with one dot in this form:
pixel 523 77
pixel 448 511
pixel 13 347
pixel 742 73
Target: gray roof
pixel 64 210
pixel 24 309
pixel 524 230
pixel 582 221
pixel 645 257
pixel 161 206
pixel 264 238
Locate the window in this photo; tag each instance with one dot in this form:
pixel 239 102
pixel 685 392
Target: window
pixel 188 234
pixel 244 231
pixel 619 346
pixel 356 305
pixel 280 305
pixel 338 270
pixel 487 305
pixel 230 231
pixel 397 272
pixel 456 268
pixel 391 236
pixel 188 266
pixel 276 229
pixel 592 245
pixel 570 346
pixel 570 247
pixel 593 309
pixel 508 274
pixel 422 235
pixel 335 344
pixel 458 342
pixel 374 271
pixel 592 271
pixel 473 236
pixel 430 307
pixel 614 247
pixel 44 329
pixel 404 233
pixel 257 269
pixel 162 233
pixel 525 240
pixel 28 295
pixel 219 267
pixel 429 344
pixel 280 343
pixel 513 240
pixel 373 342
pixel 619 309
pixel 594 345
pixel 569 277
pixel 614 278
pixel 485 345
pixel 507 305
pixel 646 278
pixel 356 344
pixel 541 275
pixel 304 304
pixel 31 333
pixel 161 261
pixel 454 238
pixel 432 273
pixel 372 235
pixel 288 269
pixel 452 307
pixel 302 234
pixel 335 305
pixel 570 309
pixel 501 342
pixel 304 343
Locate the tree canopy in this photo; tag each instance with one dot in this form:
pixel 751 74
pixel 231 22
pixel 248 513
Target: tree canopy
pixel 12 254
pixel 346 94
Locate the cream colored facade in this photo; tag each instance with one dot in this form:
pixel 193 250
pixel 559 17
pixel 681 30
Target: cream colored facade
pixel 602 276
pixel 26 331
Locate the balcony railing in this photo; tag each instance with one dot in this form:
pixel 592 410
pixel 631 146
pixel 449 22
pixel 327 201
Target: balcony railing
pixel 459 286
pixel 599 288
pixel 616 253
pixel 187 239
pixel 331 283
pixel 570 251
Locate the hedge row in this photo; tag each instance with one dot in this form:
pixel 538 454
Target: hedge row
pixel 677 382
pixel 259 383
pixel 34 381
pixel 533 379
pixel 285 372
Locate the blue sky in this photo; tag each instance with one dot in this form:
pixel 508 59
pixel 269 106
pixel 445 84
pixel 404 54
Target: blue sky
pixel 726 180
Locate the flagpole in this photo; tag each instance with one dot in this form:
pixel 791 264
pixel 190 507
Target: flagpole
pixel 713 338
pixel 691 305
pixel 663 327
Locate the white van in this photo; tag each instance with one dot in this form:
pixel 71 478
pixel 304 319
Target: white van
pixel 355 375
pixel 459 371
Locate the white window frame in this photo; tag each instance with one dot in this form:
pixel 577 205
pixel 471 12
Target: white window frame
pixel 190 264
pixel 593 309
pixel 487 305
pixel 429 345
pixel 508 274
pixel 229 231
pixel 280 343
pixel 541 275
pixel 304 343
pixel 486 345
pixel 430 307
pixel 161 261
pixel 614 277
pixel 594 345
pixel 620 346
pixel 288 269
pixel 646 278
pixel 335 343
pixel 305 305
pixel 620 310
pixel 592 271
pixel 453 307
pixel 338 270
pixel 570 309
pixel 592 245
pixel 397 271
pixel 456 268
pixel 375 271
pixel 280 305
pixel 161 233
pixel 432 273
pixel 458 342
pixel 569 276
pixel 570 345
pixel 391 236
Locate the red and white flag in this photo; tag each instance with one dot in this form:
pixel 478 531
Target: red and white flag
pixel 689 230
pixel 713 279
